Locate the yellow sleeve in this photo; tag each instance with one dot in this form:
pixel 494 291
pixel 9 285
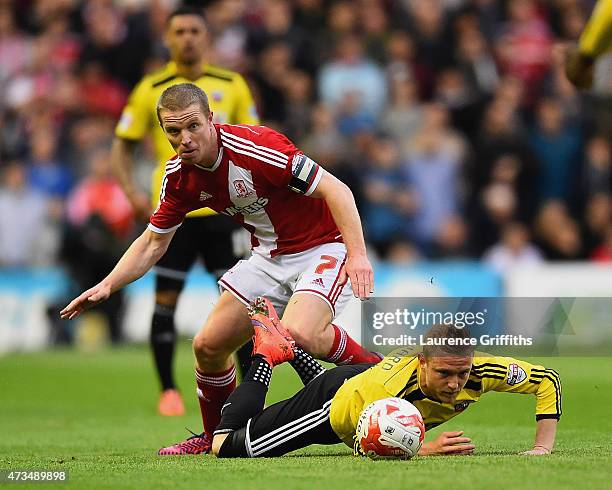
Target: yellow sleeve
pixel 596 37
pixel 245 111
pixel 506 374
pixel 135 119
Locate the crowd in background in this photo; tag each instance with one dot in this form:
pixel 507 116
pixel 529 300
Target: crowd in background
pixel 450 120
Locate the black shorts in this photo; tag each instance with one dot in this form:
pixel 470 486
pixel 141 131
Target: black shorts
pixel 206 237
pixel 294 423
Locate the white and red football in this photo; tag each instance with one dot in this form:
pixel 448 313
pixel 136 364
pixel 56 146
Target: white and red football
pixel 390 428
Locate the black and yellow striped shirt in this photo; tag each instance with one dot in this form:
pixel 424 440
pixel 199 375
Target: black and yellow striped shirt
pixel 398 375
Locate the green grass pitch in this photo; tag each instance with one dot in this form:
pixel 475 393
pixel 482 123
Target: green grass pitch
pixel 93 414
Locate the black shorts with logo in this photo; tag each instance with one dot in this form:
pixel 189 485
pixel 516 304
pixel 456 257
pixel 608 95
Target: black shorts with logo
pixel 294 423
pixel 208 238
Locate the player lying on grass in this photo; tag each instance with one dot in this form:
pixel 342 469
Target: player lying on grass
pixel 308 257
pixel 441 382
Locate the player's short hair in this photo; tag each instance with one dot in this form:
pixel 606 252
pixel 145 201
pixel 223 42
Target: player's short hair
pixel 179 97
pixel 451 342
pixel 186 10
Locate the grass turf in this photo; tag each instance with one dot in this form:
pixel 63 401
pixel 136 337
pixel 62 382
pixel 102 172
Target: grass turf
pixel 93 414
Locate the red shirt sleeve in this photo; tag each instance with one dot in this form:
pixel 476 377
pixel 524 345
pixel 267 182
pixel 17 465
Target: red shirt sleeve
pixel 171 209
pixel 300 173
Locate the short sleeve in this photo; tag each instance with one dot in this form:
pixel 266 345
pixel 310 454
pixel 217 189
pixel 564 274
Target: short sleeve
pixel 135 118
pixel 171 209
pixel 283 165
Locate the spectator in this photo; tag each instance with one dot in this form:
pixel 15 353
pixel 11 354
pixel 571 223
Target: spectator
pixel 556 144
pixel 298 94
pixel 434 168
pixel 99 222
pixel 15 46
pixel 100 195
pixel 352 74
pixel 524 46
pixel 476 62
pixel 597 167
pixel 405 115
pixel 24 221
pixel 557 233
pixel 47 174
pixel 597 219
pixel 388 201
pixel 513 251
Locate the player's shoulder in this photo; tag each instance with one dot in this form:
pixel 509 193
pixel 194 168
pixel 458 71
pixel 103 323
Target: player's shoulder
pixel 221 74
pixel 267 139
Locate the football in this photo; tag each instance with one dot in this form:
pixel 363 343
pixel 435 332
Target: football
pixel 390 428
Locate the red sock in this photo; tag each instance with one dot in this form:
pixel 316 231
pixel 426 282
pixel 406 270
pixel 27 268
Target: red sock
pixel 346 351
pixel 213 390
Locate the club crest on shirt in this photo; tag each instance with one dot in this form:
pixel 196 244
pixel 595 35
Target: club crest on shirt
pixel 461 406
pixel 516 374
pixel 241 188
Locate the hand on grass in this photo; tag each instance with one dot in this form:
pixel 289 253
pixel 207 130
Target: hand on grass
pixel 448 443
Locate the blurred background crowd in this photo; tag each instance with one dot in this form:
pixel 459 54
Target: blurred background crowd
pixel 451 121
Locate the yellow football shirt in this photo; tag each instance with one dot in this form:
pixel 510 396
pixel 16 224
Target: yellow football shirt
pixel 398 375
pixel 596 38
pixel 229 98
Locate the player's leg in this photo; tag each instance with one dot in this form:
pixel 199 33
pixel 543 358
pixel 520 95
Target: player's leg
pixel 226 328
pixel 220 250
pixel 286 426
pixel 170 274
pixel 306 366
pixel 320 295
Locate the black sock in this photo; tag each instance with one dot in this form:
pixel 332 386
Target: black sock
pixel 306 366
pixel 163 339
pixel 248 398
pixel 244 358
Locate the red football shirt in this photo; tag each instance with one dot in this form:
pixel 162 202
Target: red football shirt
pixel 262 181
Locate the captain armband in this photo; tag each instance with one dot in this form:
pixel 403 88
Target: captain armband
pixel 305 174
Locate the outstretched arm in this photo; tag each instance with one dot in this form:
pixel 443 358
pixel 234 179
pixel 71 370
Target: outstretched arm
pixel 341 203
pixel 524 377
pixel 144 252
pixel 546 430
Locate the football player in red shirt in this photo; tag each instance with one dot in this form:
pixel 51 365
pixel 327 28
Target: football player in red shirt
pixel 306 237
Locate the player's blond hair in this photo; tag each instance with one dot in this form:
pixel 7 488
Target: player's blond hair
pixel 179 97
pixel 447 349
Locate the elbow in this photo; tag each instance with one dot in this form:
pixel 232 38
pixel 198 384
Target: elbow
pixel 345 190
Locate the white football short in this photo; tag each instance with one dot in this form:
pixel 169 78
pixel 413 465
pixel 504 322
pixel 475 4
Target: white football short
pixel 315 271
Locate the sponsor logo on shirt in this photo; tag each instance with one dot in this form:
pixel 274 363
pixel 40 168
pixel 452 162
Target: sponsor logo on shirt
pixel 461 406
pixel 204 195
pixel 252 208
pixel 516 374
